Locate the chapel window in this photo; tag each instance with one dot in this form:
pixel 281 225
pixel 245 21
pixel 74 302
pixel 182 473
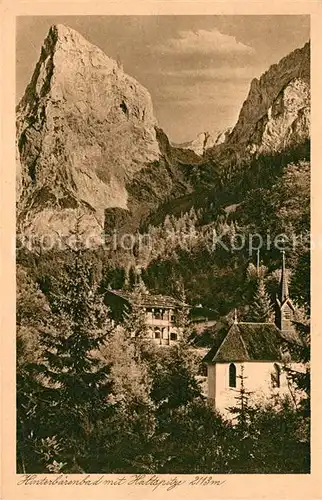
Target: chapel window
pixel 232 375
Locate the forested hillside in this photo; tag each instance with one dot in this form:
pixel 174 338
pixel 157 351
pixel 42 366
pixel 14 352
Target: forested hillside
pixel 182 247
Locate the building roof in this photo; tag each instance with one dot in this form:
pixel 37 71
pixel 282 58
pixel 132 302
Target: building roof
pixel 249 342
pixel 149 300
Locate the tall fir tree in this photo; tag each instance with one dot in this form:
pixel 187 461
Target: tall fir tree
pixel 31 316
pixel 261 309
pixel 182 312
pixel 75 382
pixel 244 415
pixel 243 409
pixel 299 378
pixel 134 322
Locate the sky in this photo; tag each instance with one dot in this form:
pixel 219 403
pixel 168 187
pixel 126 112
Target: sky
pixel 197 69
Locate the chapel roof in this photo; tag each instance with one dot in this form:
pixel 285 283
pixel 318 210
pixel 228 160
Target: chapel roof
pixel 249 342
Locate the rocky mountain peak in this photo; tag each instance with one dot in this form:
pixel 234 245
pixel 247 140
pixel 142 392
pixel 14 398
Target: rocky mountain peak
pixel 84 128
pixel 276 113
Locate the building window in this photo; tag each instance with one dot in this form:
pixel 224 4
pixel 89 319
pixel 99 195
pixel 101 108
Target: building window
pixel 158 314
pixel 287 314
pixel 232 375
pixel 157 334
pixel 276 376
pixel 173 336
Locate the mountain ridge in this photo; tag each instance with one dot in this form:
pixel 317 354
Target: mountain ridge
pixel 88 141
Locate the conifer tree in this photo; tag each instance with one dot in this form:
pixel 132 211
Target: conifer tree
pixel 168 225
pixel 32 310
pixel 131 278
pixel 75 383
pixel 174 381
pixel 243 408
pixel 301 378
pixel 260 310
pixel 244 415
pixel 135 322
pixel 181 317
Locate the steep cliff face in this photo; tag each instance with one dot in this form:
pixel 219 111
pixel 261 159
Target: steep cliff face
pixel 84 129
pixel 222 136
pixel 276 113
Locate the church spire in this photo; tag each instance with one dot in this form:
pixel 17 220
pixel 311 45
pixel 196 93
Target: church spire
pixel 283 283
pixel 285 310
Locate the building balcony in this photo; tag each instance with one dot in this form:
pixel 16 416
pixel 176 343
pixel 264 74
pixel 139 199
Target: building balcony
pixel 158 322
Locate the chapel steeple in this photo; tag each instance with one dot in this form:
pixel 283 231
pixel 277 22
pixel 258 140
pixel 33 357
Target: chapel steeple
pixel 285 310
pixel 284 282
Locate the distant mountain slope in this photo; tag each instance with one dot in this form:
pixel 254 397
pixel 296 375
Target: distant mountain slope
pixel 203 142
pixel 273 127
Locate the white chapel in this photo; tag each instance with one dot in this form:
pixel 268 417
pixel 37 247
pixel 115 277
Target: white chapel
pixel 255 351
